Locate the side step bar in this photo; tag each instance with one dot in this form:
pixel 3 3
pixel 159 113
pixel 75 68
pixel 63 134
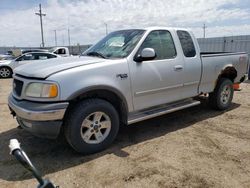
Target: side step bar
pixel 164 109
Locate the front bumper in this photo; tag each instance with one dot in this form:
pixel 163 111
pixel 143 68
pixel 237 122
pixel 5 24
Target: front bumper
pixel 41 119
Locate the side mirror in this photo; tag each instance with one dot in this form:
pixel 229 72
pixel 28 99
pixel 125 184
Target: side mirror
pixel 145 55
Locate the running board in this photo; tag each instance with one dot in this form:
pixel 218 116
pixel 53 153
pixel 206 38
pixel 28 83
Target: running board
pixel 164 109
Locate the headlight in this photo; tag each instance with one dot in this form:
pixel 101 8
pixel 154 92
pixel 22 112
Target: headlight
pixel 44 90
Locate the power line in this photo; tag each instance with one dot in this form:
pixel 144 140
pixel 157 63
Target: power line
pixel 41 21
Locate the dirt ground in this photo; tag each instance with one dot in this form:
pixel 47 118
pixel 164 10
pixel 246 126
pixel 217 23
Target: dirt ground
pixel 195 147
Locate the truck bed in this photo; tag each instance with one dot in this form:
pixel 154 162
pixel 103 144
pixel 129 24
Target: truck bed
pixel 214 62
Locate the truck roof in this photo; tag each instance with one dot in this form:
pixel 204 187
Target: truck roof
pixel 168 28
pixel 159 28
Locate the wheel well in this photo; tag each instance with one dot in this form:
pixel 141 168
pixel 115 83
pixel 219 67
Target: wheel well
pixel 119 104
pixel 228 72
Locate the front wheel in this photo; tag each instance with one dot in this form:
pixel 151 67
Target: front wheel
pixel 221 97
pixel 91 126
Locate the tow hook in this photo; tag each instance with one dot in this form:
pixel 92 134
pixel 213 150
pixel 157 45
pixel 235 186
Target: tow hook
pixel 12 112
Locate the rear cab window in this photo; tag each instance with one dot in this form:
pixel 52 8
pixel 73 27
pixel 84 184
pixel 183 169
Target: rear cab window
pixel 187 43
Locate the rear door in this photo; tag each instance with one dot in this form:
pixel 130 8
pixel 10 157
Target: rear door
pixel 192 64
pixel 160 80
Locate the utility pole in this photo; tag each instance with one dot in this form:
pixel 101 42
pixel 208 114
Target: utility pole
pixel 63 39
pixel 69 39
pixel 55 38
pixel 69 36
pixel 204 30
pixel 41 21
pixel 106 25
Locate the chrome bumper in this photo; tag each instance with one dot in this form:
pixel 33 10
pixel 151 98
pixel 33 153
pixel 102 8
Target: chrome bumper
pixel 37 111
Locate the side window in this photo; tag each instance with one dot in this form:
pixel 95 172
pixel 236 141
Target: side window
pixel 61 51
pixel 186 43
pixel 162 42
pixel 28 57
pixel 42 56
pixel 51 56
pixel 168 47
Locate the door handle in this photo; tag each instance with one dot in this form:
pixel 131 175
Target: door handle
pixel 178 67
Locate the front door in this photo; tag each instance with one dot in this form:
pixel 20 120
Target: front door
pixel 157 81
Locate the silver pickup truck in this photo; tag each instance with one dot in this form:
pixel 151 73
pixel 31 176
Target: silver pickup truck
pixel 127 77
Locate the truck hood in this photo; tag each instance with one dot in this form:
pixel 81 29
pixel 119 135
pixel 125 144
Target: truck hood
pixel 45 68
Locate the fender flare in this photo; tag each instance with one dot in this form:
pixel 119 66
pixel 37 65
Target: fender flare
pixel 100 87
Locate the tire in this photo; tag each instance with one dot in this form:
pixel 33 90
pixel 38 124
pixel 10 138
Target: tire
pixel 221 97
pixel 5 72
pixel 87 122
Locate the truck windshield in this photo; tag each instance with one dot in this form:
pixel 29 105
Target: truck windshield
pixel 118 44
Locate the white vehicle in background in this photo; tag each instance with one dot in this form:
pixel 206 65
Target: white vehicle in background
pixel 62 51
pixel 7 66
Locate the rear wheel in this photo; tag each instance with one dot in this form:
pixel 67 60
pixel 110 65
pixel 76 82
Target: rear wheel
pixel 91 126
pixel 221 97
pixel 5 72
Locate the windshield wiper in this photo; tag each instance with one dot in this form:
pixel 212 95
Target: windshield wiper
pixel 96 54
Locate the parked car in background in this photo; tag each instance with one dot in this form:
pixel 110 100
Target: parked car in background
pixel 62 51
pixel 6 57
pixel 7 66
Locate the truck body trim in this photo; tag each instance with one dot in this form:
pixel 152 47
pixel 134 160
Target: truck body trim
pixel 222 54
pixel 151 113
pixel 164 88
pixel 140 93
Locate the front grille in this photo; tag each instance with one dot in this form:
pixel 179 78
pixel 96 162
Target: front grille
pixel 17 87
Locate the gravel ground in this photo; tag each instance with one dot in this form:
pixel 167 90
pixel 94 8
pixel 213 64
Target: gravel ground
pixel 195 147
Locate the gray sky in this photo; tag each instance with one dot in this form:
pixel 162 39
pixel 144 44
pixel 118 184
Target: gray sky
pixel 86 19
